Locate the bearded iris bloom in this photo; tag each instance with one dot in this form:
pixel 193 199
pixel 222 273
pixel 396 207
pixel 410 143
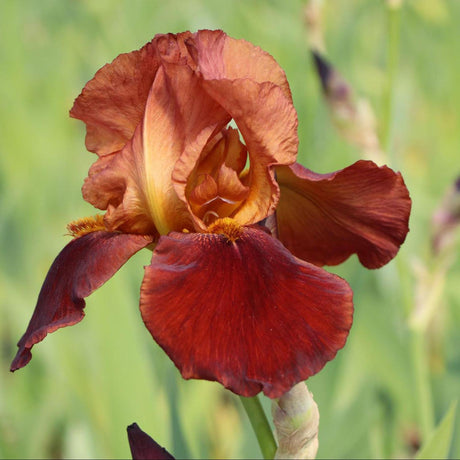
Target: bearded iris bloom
pixel 235 291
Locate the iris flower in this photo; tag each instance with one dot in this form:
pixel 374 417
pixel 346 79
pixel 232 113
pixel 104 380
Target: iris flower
pixel 196 137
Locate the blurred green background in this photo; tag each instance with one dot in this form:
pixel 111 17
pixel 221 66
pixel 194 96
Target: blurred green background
pixel 88 382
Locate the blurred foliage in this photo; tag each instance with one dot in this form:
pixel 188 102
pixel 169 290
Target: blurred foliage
pixel 87 383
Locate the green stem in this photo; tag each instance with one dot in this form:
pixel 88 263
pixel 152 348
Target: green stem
pixel 260 425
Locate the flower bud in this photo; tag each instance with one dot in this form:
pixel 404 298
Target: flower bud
pixel 353 118
pixel 296 419
pixel 446 219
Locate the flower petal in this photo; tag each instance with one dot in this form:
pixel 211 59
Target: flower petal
pixel 252 88
pixel 84 265
pixel 324 218
pixel 143 447
pixel 112 103
pixel 219 56
pixel 116 183
pixel 246 314
pixel 176 113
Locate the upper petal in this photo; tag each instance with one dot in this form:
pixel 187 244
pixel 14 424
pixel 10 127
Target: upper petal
pixel 324 218
pixel 84 265
pixel 175 114
pixel 251 87
pixel 193 85
pixel 219 56
pixel 112 103
pixel 245 313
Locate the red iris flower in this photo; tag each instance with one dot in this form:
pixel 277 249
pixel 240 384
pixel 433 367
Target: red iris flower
pixel 226 299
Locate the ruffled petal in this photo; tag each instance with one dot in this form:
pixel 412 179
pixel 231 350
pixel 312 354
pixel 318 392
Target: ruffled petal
pixel 117 183
pixel 324 218
pixel 143 447
pixel 84 265
pixel 175 95
pixel 112 103
pixel 176 114
pixel 219 56
pixel 252 88
pixel 246 313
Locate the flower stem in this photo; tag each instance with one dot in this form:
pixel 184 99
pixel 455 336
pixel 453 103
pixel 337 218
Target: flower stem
pixel 260 425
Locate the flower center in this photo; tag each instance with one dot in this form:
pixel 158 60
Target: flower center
pixel 216 187
pixel 228 227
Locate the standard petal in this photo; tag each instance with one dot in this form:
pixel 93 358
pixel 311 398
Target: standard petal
pixel 324 218
pixel 112 103
pixel 251 87
pixel 143 447
pixel 219 56
pixel 246 313
pixel 84 265
pixel 176 113
pixel 268 123
pixel 116 183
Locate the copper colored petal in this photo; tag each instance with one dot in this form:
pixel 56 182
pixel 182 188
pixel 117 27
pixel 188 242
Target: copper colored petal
pixel 324 218
pixel 247 314
pixel 249 85
pixel 222 57
pixel 84 265
pixel 112 103
pixel 267 121
pixel 143 447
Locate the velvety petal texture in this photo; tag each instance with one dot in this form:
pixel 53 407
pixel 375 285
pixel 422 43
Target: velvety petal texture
pixel 324 218
pixel 157 130
pixel 245 313
pixel 84 265
pixel 143 447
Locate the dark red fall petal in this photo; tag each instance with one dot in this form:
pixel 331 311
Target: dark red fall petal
pixel 143 447
pixel 324 218
pixel 84 265
pixel 247 314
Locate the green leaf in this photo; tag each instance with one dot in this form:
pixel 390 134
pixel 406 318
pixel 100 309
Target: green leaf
pixel 438 444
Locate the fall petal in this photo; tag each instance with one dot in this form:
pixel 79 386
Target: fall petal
pixel 84 265
pixel 112 103
pixel 143 447
pixel 324 218
pixel 247 314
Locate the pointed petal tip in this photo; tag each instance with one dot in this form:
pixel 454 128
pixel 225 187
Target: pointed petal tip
pixel 143 447
pixel 80 268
